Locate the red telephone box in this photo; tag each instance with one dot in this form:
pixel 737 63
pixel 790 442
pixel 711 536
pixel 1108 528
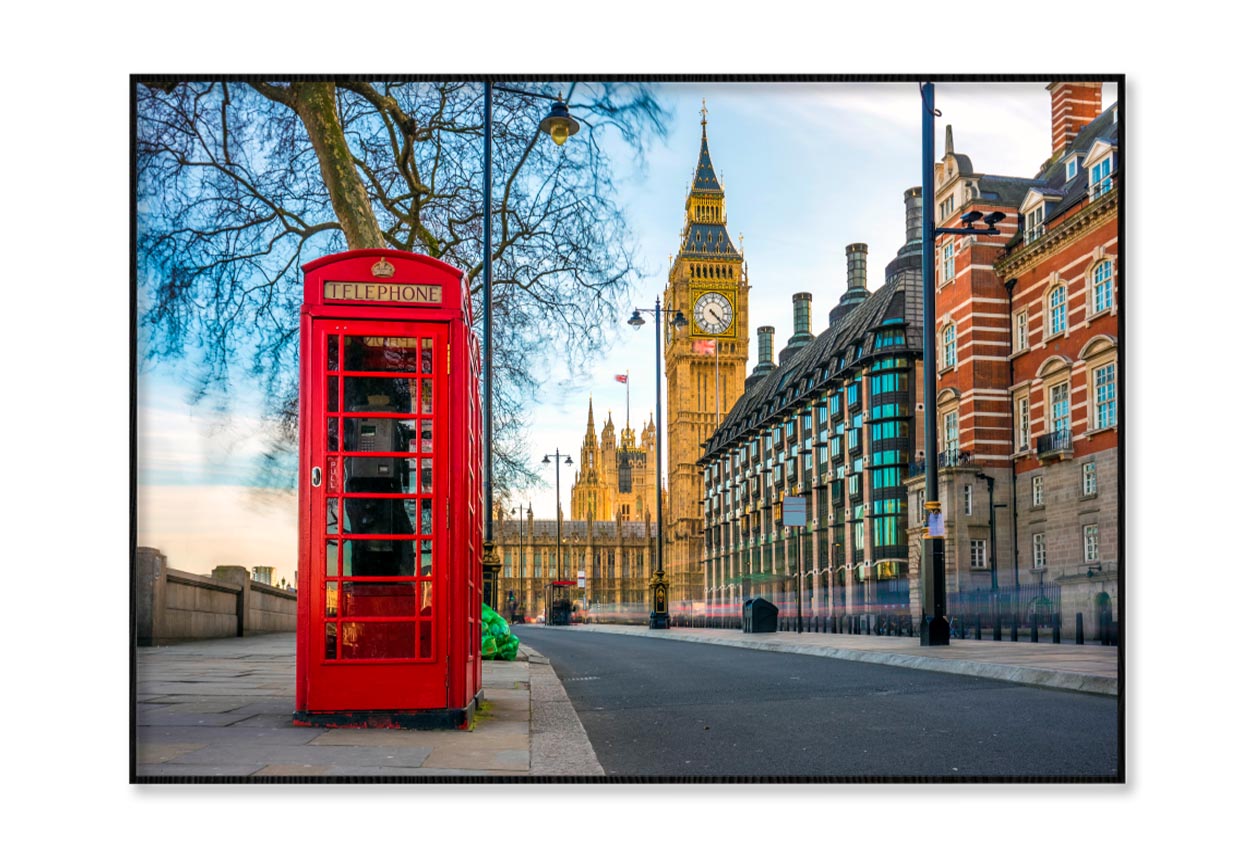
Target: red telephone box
pixel 391 532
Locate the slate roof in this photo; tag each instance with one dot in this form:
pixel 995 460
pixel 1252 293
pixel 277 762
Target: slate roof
pixel 1052 175
pixel 816 365
pixel 705 182
pixel 708 240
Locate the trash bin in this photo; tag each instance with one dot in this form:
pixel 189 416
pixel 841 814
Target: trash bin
pixel 760 616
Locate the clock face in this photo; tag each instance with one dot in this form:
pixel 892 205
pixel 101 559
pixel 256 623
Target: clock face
pixel 713 313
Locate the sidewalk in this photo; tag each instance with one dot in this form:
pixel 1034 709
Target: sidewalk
pixel 223 708
pixel 1087 668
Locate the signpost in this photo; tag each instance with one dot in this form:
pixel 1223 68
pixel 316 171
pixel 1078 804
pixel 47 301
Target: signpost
pixel 794 515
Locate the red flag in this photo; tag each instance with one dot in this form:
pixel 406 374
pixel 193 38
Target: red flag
pixel 620 377
pixel 705 347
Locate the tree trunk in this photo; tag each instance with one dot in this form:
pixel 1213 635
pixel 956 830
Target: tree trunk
pixel 315 104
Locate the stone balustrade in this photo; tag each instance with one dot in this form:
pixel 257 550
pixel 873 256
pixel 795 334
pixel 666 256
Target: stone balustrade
pixel 172 605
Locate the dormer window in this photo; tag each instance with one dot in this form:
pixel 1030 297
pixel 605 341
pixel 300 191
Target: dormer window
pixel 1099 180
pixel 1101 165
pixel 1034 227
pixel 1072 167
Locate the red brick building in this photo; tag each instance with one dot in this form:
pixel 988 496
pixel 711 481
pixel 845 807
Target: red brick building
pixel 1028 384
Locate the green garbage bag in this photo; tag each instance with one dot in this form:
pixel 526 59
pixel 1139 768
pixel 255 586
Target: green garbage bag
pixel 498 643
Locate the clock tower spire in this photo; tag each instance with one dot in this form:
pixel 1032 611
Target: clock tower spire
pixel 705 360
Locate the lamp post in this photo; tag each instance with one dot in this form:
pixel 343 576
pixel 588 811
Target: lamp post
pixel 935 627
pixel 518 512
pixel 659 615
pixel 560 127
pixel 556 460
pixel 991 523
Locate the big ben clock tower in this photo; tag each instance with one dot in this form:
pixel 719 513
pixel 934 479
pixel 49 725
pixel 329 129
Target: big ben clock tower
pixel 705 362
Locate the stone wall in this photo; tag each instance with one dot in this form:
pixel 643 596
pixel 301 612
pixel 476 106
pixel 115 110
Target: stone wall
pixel 171 605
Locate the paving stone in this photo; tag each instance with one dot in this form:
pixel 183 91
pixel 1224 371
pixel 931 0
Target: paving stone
pixel 157 753
pixel 197 769
pixel 518 760
pixel 304 754
pixel 293 770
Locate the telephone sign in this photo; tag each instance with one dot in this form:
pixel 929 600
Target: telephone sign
pixel 390 495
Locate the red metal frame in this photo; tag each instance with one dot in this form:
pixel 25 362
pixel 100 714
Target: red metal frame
pixel 403 649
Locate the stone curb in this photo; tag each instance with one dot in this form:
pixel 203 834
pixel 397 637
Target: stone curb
pixel 1016 673
pixel 559 743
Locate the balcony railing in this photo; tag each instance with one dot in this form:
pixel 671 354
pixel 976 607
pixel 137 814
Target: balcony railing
pixel 1101 187
pixel 1054 442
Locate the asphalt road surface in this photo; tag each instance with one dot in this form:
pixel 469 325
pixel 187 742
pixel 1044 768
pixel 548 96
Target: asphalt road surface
pixel 664 708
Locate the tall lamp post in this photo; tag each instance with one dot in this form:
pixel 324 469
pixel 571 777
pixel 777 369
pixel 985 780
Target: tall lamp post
pixel 556 459
pixel 518 512
pixel 935 627
pixel 659 614
pixel 560 127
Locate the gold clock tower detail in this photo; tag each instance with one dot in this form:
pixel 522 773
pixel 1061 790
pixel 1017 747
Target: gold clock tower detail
pixel 705 363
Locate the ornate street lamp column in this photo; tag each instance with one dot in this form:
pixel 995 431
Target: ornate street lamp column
pixel 658 586
pixel 560 127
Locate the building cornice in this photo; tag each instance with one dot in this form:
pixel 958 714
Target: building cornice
pixel 1094 214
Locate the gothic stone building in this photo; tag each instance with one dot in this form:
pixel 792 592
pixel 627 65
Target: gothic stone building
pixel 616 558
pixel 704 361
pixel 833 422
pixel 617 478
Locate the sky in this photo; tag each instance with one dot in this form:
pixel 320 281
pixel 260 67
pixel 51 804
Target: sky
pixel 807 169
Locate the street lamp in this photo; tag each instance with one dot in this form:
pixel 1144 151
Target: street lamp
pixel 991 523
pixel 557 457
pixel 518 512
pixel 560 127
pixel 935 627
pixel 659 616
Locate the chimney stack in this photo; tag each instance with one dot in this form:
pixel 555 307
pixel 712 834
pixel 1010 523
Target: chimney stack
pixel 913 215
pixel 800 318
pixel 765 356
pixel 1075 105
pixel 765 349
pixel 856 253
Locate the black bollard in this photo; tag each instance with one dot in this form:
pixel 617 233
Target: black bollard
pixel 1057 627
pixel 996 628
pixel 1078 629
pixel 978 626
pixel 1013 629
pixel 1035 627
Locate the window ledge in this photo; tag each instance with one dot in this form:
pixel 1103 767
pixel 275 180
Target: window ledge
pixel 1092 432
pixel 1103 312
pixel 1035 507
pixel 1090 497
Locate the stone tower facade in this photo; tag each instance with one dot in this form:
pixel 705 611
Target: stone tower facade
pixel 705 363
pixel 617 477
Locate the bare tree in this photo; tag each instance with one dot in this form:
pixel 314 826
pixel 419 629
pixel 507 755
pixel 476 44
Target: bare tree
pixel 239 183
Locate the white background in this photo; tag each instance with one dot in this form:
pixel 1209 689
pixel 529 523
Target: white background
pixel 65 205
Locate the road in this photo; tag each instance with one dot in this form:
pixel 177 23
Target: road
pixel 660 708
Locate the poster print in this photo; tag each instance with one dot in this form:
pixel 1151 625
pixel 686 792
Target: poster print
pixel 892 302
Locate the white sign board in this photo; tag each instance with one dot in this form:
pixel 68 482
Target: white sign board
pixel 794 512
pixel 935 525
pixel 582 579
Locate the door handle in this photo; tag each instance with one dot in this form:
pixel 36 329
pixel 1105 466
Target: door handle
pixel 316 476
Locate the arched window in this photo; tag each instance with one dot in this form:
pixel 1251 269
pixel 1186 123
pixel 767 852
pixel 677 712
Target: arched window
pixel 1102 287
pixel 950 345
pixel 1057 310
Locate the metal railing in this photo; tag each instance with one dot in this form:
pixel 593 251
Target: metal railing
pixel 1053 442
